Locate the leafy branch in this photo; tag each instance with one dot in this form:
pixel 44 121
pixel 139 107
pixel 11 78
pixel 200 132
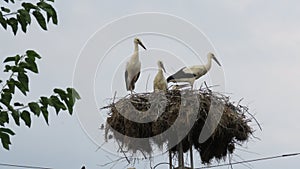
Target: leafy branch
pixel 18 67
pixel 23 16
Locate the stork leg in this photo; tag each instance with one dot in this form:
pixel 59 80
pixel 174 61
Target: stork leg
pixel 191 156
pixel 170 159
pixel 180 157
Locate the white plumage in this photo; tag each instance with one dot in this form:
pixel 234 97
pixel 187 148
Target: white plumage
pixel 160 82
pixel 133 67
pixel 190 74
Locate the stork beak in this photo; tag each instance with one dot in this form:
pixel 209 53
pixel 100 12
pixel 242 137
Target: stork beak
pixel 140 43
pixel 217 61
pixel 162 66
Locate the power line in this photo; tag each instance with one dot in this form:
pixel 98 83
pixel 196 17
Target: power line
pixel 213 166
pixel 23 166
pixel 253 160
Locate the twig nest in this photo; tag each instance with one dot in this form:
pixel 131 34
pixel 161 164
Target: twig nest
pixel 179 116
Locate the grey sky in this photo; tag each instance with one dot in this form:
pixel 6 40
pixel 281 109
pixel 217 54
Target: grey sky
pixel 257 43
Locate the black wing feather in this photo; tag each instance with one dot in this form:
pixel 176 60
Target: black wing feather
pixel 126 76
pixel 133 80
pixel 180 74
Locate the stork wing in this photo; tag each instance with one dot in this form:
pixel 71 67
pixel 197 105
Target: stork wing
pixel 182 74
pixel 133 80
pixel 126 79
pixel 199 70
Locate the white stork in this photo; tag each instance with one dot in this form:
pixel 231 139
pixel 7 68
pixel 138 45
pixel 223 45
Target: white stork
pixel 133 67
pixel 160 83
pixel 190 74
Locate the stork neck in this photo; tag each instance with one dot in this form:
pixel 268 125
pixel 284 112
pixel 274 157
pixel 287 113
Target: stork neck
pixel 136 47
pixel 160 71
pixel 135 55
pixel 208 64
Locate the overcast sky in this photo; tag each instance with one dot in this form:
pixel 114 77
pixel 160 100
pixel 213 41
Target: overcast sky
pixel 257 43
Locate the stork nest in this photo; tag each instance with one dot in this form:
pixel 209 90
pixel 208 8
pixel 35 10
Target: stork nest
pixel 183 114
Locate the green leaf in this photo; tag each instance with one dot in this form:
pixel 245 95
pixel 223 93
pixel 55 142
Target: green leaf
pixel 5 9
pixel 10 59
pixel 70 105
pixel 40 19
pixel 24 80
pixel 11 85
pixel 62 94
pixel 29 66
pixel 25 116
pixel 17 59
pixel 25 14
pixel 16 116
pixel 44 101
pixel 29 6
pixel 17 69
pixel 43 5
pixel 3 21
pixel 10 1
pixel 21 87
pixel 5 138
pixel 50 0
pixel 32 54
pixel 22 22
pixel 3 118
pixel 35 108
pixel 45 113
pixel 74 93
pixel 7 68
pixel 6 98
pixel 7 130
pixel 32 66
pixel 13 22
pixel 51 13
pixel 57 104
pixel 68 98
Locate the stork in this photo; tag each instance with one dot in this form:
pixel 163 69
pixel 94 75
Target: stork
pixel 190 74
pixel 133 67
pixel 160 83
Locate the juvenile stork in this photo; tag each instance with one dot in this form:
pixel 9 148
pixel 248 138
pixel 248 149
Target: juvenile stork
pixel 160 83
pixel 190 74
pixel 133 67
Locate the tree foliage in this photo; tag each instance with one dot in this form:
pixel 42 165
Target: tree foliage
pixel 19 67
pixel 42 11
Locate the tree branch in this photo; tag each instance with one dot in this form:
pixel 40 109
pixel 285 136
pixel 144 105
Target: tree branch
pixel 12 13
